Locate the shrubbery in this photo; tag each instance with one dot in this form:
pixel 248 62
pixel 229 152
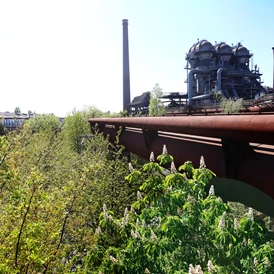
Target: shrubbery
pixel 175 227
pixel 51 196
pixel 154 220
pixel 230 105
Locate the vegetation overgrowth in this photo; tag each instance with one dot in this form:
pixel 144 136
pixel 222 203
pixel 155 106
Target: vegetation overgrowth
pixel 230 105
pixel 175 227
pixel 54 184
pixel 51 195
pixel 156 107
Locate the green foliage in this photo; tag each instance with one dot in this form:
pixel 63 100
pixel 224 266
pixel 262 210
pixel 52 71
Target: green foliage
pixel 3 130
pixel 230 105
pixel 92 112
pixel 157 220
pixel 164 158
pixel 17 111
pixel 51 197
pixel 44 122
pixel 77 126
pixel 175 224
pixel 123 113
pixel 155 106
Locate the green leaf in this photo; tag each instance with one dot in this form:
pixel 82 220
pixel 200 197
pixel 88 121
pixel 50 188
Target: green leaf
pixel 188 168
pixel 165 159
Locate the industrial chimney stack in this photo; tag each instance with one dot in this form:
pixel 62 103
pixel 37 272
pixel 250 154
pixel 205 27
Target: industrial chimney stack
pixel 126 80
pixel 273 69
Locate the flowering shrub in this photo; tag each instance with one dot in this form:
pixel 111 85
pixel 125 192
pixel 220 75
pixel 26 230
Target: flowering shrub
pixel 176 227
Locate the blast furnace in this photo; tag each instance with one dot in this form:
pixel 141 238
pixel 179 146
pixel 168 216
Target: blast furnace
pixel 221 68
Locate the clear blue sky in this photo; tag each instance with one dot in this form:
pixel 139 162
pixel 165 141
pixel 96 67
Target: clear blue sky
pixel 57 55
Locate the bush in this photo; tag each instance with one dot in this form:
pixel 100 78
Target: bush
pixel 176 227
pixel 51 197
pixel 230 105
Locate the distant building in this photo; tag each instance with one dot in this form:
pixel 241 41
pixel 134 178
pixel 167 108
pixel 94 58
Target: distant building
pixel 140 104
pixel 11 121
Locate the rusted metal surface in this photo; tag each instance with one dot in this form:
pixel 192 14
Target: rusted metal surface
pixel 228 154
pixel 246 128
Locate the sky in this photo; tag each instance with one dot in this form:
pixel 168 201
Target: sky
pixel 57 56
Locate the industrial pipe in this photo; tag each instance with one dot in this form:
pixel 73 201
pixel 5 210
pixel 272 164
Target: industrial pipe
pixel 257 128
pixel 256 168
pixel 190 83
pixel 235 93
pixel 273 68
pixel 199 97
pixel 219 78
pixel 225 93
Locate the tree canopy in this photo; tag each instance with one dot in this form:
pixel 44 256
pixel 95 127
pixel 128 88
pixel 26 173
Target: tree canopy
pixel 155 106
pixel 174 226
pixel 51 196
pixel 91 211
pixel 17 111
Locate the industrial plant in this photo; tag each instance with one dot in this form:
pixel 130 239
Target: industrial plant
pixel 221 68
pixel 213 72
pixel 238 147
pixel 220 72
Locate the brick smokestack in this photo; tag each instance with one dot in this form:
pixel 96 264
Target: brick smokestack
pixel 126 80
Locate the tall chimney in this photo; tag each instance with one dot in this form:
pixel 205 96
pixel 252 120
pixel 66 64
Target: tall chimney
pixel 126 80
pixel 273 68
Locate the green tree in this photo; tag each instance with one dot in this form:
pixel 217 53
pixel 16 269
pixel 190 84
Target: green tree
pixel 3 130
pixel 92 112
pixel 51 197
pixel 44 122
pixel 155 106
pixel 230 105
pixel 17 111
pixel 76 125
pixel 176 227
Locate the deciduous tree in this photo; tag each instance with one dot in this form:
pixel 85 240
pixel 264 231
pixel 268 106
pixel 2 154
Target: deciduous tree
pixel 155 106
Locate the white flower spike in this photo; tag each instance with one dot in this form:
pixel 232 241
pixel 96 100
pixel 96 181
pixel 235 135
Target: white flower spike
pixel 210 267
pixel 164 150
pixel 236 223
pixel 250 214
pixel 173 167
pixel 202 162
pixel 131 169
pixel 139 195
pixel 151 157
pixel 211 191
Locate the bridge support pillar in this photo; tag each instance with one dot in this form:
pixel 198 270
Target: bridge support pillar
pixel 149 136
pixel 235 153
